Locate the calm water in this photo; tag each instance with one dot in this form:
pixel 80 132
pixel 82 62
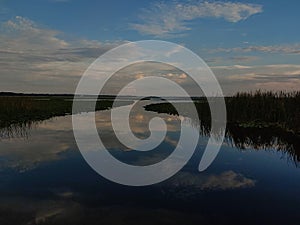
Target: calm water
pixel 45 180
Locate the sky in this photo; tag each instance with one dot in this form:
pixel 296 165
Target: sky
pixel 46 45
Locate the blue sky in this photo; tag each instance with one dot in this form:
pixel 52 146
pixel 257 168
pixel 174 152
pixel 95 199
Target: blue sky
pixel 248 44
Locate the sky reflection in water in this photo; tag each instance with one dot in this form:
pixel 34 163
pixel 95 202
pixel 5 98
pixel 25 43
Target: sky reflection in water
pixel 44 179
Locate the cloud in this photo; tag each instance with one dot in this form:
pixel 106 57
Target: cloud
pixel 149 69
pixel 34 58
pixel 283 49
pixel 267 77
pixel 20 30
pixel 166 19
pixel 227 180
pixel 244 58
pixel 231 67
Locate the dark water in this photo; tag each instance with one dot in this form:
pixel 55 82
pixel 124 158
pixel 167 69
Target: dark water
pixel 45 180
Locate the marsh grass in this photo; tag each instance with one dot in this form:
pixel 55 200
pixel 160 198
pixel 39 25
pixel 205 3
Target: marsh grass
pixel 23 110
pixel 263 109
pixel 254 109
pixel 19 110
pixel 256 120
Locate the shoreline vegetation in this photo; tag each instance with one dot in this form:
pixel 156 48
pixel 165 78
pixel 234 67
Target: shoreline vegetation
pixel 259 120
pixel 278 110
pixel 21 110
pixel 258 109
pixel 262 120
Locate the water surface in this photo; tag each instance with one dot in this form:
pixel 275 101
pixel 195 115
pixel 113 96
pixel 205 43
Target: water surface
pixel 45 180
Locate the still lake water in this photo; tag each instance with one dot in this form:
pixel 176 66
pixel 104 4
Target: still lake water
pixel 45 180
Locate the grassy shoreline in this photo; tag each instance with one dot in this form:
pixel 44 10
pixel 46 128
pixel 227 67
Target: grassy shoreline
pixel 19 110
pixel 249 110
pixel 245 110
pixel 260 120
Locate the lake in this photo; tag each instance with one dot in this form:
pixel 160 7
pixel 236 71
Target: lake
pixel 45 180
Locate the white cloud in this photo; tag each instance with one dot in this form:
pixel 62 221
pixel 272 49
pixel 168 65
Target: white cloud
pixel 23 34
pixel 231 67
pixel 244 58
pixel 283 49
pixel 165 19
pixel 266 77
pixel 34 58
